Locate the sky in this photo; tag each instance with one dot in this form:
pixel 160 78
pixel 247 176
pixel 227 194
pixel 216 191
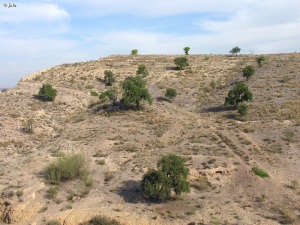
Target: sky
pixel 39 34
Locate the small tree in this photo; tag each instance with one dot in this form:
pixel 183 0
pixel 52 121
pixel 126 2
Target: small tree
pixel 238 94
pixel 181 62
pixel 142 70
pixel 260 60
pixel 171 93
pixel 46 93
pixel 186 50
pixel 134 52
pixel 235 50
pixel 171 175
pixel 242 109
pixel 248 71
pixel 110 94
pixel 109 78
pixel 135 91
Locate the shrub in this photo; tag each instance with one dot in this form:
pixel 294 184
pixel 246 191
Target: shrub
pixel 46 93
pixel 235 50
pixel 28 125
pixel 186 50
pixel 260 172
pixel 109 78
pixel 89 86
pixel 134 51
pixel 289 135
pixel 171 175
pixel 52 192
pixel 135 91
pixel 53 222
pixel 260 60
pixel 101 220
pixel 94 93
pixel 110 94
pixel 170 93
pixel 67 168
pixel 142 70
pixel 238 94
pixel 181 62
pixel 242 109
pixel 248 71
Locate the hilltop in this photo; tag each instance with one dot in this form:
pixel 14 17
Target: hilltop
pixel 220 147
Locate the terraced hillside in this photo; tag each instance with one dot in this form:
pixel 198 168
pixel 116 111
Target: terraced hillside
pixel 221 148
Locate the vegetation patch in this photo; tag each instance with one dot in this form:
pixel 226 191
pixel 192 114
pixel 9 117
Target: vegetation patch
pixel 260 172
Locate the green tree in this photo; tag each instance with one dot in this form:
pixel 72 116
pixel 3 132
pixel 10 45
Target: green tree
pixel 242 109
pixel 135 91
pixel 238 94
pixel 248 71
pixel 186 50
pixel 110 94
pixel 260 60
pixel 109 78
pixel 46 93
pixel 142 70
pixel 235 50
pixel 172 174
pixel 181 62
pixel 134 52
pixel 170 93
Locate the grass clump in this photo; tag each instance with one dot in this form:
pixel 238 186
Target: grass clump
pixel 101 220
pixel 53 222
pixel 290 136
pixel 67 168
pixel 260 172
pixel 94 93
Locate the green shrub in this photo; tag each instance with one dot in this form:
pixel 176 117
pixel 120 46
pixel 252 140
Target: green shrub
pixel 134 51
pixel 242 109
pixel 260 172
pixel 186 50
pixel 109 78
pixel 52 192
pixel 171 176
pixel 67 168
pixel 248 71
pixel 238 94
pixel 101 220
pixel 170 93
pixel 110 94
pixel 46 93
pixel 94 93
pixel 181 62
pixel 235 50
pixel 289 135
pixel 142 70
pixel 260 60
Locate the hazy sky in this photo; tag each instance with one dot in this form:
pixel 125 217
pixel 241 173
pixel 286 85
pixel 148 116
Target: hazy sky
pixel 38 34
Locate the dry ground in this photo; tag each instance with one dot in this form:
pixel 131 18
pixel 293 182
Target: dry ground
pixel 220 147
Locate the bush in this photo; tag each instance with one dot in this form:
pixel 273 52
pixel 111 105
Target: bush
pixel 110 94
pixel 181 62
pixel 89 86
pixel 260 60
pixel 186 50
pixel 134 51
pixel 248 71
pixel 67 168
pixel 46 93
pixel 238 94
pixel 142 70
pixel 101 220
pixel 109 78
pixel 260 172
pixel 53 222
pixel 170 93
pixel 235 50
pixel 135 91
pixel 171 175
pixel 242 109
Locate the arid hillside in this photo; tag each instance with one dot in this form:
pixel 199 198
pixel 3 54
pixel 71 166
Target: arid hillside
pixel 221 148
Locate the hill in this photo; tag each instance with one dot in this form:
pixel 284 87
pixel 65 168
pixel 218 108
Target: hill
pixel 221 148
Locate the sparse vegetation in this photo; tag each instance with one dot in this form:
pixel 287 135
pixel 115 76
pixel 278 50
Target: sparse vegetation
pixel 89 86
pixel 94 93
pixel 181 62
pixel 289 136
pixel 46 93
pixel 260 60
pixel 142 70
pixel 101 220
pixel 248 71
pixel 242 109
pixel 28 125
pixel 109 77
pixel 170 93
pixel 110 94
pixel 260 172
pixel 186 50
pixel 235 51
pixel 134 52
pixel 53 222
pixel 238 94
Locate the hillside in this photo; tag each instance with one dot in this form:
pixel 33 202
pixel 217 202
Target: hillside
pixel 220 147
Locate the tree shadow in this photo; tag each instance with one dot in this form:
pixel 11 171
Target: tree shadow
pixel 162 99
pixel 172 68
pixel 219 108
pixel 131 192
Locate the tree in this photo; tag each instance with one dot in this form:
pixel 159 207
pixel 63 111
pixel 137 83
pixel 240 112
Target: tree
pixel 171 175
pixel 109 78
pixel 242 109
pixel 171 93
pixel 135 91
pixel 134 52
pixel 235 50
pixel 248 71
pixel 186 50
pixel 46 93
pixel 110 94
pixel 260 60
pixel 142 70
pixel 238 94
pixel 181 62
